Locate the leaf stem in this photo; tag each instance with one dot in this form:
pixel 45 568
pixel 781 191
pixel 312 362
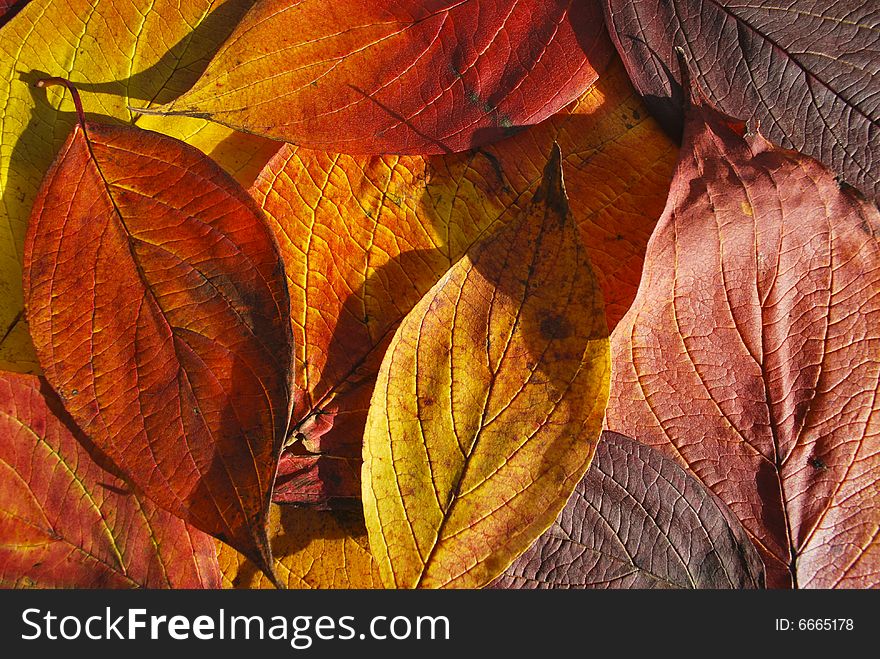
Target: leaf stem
pixel 64 82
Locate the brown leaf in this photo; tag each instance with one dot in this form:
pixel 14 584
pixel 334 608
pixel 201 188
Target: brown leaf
pixel 806 71
pixel 157 302
pixel 65 522
pixel 638 520
pixel 9 8
pixel 751 351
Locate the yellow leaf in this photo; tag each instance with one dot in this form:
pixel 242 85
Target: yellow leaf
pixel 488 404
pixel 118 53
pixel 312 549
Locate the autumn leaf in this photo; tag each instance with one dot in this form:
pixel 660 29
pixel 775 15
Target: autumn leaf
pixel 364 238
pixel 806 71
pixel 118 53
pixel 751 351
pixel 405 77
pixel 638 520
pixel 174 350
pixel 65 522
pixel 488 404
pixel 313 549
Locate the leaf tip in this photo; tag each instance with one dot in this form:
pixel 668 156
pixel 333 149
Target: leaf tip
pixel 692 95
pixel 552 188
pixel 266 563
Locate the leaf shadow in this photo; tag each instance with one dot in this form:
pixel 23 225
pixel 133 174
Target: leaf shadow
pixel 56 406
pixel 12 8
pixel 297 528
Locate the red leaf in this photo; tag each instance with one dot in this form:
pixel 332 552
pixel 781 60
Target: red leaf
pixel 409 76
pixel 158 305
pixel 751 351
pixel 67 523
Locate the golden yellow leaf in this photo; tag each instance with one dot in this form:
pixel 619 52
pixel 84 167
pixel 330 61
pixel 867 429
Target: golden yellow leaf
pixel 118 53
pixel 312 549
pixel 488 404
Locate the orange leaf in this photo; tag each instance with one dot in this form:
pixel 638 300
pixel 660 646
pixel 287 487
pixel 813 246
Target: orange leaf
pixel 65 522
pixel 365 238
pixel 156 299
pixel 369 76
pixel 752 351
pixel 121 53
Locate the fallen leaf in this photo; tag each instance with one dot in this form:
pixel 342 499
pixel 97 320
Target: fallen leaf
pixel 752 351
pixel 118 53
pixel 158 307
pixel 638 520
pixel 313 549
pixel 65 522
pixel 364 238
pixel 807 71
pixel 405 77
pixel 488 404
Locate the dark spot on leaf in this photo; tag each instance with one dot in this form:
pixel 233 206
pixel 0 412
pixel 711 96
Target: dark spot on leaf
pixel 493 161
pixel 554 326
pixel 817 463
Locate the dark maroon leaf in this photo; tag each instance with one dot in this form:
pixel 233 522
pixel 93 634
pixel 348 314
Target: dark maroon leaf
pixel 638 520
pixel 808 71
